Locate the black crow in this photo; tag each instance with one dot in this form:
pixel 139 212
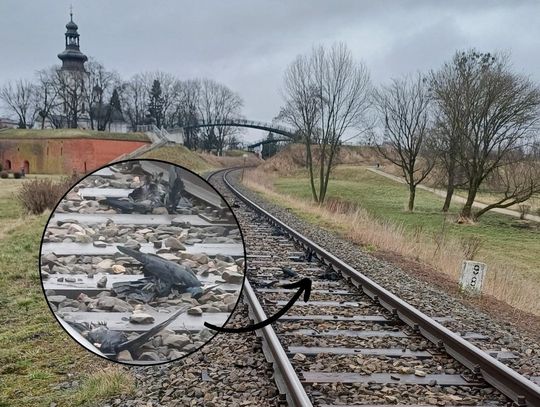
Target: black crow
pixel 330 274
pixel 276 231
pixel 111 343
pixel 165 273
pixel 289 272
pixel 142 199
pixel 176 192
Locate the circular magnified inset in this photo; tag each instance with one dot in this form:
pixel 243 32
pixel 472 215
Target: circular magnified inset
pixel 137 256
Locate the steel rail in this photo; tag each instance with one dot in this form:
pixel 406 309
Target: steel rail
pixel 288 381
pixel 515 386
pixel 286 378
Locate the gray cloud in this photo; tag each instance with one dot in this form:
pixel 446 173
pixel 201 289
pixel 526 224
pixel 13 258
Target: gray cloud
pixel 248 44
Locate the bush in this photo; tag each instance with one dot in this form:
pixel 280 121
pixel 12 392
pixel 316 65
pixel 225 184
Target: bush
pixel 524 210
pixel 4 174
pixel 38 195
pixel 471 246
pixel 17 175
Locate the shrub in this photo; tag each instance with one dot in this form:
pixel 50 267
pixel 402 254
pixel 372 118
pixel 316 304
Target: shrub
pixel 471 246
pixel 38 195
pixel 524 210
pixel 17 175
pixel 4 174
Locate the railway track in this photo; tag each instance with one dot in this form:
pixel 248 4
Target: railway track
pixel 354 342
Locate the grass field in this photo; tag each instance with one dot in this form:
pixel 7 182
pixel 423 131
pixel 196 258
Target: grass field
pixel 182 156
pixel 39 362
pixel 70 133
pixel 510 247
pixel 201 162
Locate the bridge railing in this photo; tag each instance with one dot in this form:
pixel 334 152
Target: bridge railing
pixel 246 123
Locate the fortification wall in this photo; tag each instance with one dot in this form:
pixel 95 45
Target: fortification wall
pixel 62 156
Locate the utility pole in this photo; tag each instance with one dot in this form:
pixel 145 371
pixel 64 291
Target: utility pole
pixel 243 168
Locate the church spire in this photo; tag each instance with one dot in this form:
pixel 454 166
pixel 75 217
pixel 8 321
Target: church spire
pixel 72 58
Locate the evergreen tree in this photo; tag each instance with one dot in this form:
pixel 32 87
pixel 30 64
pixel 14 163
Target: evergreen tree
pixel 115 102
pixel 155 105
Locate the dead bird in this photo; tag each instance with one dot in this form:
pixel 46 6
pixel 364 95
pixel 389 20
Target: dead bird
pixel 161 277
pixel 265 284
pixel 307 256
pixel 330 274
pixel 288 272
pixel 144 199
pixel 176 190
pixel 111 342
pixel 276 231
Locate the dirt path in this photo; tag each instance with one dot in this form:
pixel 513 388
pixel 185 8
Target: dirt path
pixel 456 198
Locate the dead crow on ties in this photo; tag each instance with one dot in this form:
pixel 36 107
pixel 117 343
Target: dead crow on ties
pixel 289 272
pixel 264 283
pixel 161 277
pixel 142 199
pixel 306 257
pixel 176 192
pixel 330 274
pixel 276 231
pixel 111 342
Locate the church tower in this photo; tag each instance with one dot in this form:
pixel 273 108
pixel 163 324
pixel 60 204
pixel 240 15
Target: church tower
pixel 72 57
pixel 73 78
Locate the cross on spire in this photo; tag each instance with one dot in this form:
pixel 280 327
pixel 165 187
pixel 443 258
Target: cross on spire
pixel 71 11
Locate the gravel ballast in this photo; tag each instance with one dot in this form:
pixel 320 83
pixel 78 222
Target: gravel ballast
pixel 425 296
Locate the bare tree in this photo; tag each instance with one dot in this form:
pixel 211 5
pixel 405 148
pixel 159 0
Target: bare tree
pixel 134 97
pixel 71 88
pixel 301 108
pixel 186 111
pixel 502 114
pixel 46 94
pixel 18 98
pixel 453 96
pixel 218 103
pixel 99 88
pixel 516 180
pixel 404 110
pixel 335 93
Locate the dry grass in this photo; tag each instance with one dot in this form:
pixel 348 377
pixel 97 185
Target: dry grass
pixel 440 251
pixel 293 157
pixel 197 161
pixel 10 211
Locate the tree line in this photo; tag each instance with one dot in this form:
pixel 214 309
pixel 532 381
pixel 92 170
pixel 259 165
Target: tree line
pixel 59 99
pixel 474 119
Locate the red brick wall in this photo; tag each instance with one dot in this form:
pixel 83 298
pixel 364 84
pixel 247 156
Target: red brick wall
pixel 63 156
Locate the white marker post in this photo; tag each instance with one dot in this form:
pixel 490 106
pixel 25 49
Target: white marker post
pixel 472 277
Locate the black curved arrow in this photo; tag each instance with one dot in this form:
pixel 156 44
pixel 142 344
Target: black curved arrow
pixel 304 285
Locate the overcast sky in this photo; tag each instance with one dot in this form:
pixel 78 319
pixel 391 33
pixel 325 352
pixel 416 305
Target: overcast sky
pixel 248 44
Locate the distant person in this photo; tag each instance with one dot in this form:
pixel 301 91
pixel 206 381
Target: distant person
pixel 22 172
